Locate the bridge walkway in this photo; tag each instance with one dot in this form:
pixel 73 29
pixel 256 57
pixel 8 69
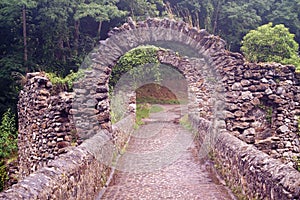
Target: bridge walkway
pixel 161 162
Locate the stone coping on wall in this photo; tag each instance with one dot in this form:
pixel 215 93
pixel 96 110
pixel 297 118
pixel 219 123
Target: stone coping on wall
pixel 248 170
pixel 74 175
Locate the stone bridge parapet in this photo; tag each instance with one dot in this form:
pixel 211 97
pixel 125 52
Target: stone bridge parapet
pixel 256 103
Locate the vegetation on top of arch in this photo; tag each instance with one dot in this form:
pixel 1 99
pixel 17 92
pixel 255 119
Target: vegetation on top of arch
pixel 141 55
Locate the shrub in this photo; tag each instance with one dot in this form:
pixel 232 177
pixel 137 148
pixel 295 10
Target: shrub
pixel 3 176
pixel 66 82
pixel 8 135
pixel 271 44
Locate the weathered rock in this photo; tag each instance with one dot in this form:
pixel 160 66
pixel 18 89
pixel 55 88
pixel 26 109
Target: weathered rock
pixel 283 129
pixel 249 135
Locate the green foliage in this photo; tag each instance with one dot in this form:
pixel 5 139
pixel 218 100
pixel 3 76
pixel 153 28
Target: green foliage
pixel 141 9
pixel 142 112
pixel 268 110
pixel 156 109
pixel 66 81
pixel 100 10
pixel 184 121
pixel 117 106
pixel 236 19
pixel 9 86
pixel 287 13
pixel 157 101
pixel 3 176
pixel 233 19
pixel 8 135
pixel 297 160
pixel 271 44
pixel 136 57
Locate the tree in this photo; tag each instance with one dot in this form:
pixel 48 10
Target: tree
pixel 13 48
pixel 236 19
pixel 100 10
pixel 11 10
pixel 132 60
pixel 287 13
pixel 271 44
pixel 141 9
pixel 8 143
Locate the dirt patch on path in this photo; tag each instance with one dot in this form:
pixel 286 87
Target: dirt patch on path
pixel 155 93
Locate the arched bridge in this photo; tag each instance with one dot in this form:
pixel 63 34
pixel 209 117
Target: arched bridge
pixel 241 116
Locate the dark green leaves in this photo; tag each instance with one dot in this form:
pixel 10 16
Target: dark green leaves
pixel 8 134
pixel 271 44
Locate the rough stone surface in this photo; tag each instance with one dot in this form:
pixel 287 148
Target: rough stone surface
pixel 247 170
pixel 45 127
pixel 265 95
pixel 78 174
pixel 75 175
pixel 265 100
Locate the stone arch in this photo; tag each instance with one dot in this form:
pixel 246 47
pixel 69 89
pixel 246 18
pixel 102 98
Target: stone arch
pixel 245 85
pixel 131 35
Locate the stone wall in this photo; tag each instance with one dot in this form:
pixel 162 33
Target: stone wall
pixel 262 105
pixel 75 175
pixel 45 127
pixel 247 170
pixel 198 75
pixel 80 173
pixel 50 121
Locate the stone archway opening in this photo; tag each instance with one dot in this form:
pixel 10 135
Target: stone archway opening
pixel 140 76
pixel 148 83
pixel 93 113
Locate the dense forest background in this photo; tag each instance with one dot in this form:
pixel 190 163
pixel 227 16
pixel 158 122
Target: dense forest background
pixel 55 35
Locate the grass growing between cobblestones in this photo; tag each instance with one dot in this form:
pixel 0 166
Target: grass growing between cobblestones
pixel 156 109
pixel 184 121
pixel 143 111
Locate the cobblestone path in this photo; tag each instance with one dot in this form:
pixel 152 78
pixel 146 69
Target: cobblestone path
pixel 161 163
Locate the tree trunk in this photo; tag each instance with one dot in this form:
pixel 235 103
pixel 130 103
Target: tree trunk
pixel 99 29
pixel 76 37
pixel 61 54
pixel 24 33
pixel 216 17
